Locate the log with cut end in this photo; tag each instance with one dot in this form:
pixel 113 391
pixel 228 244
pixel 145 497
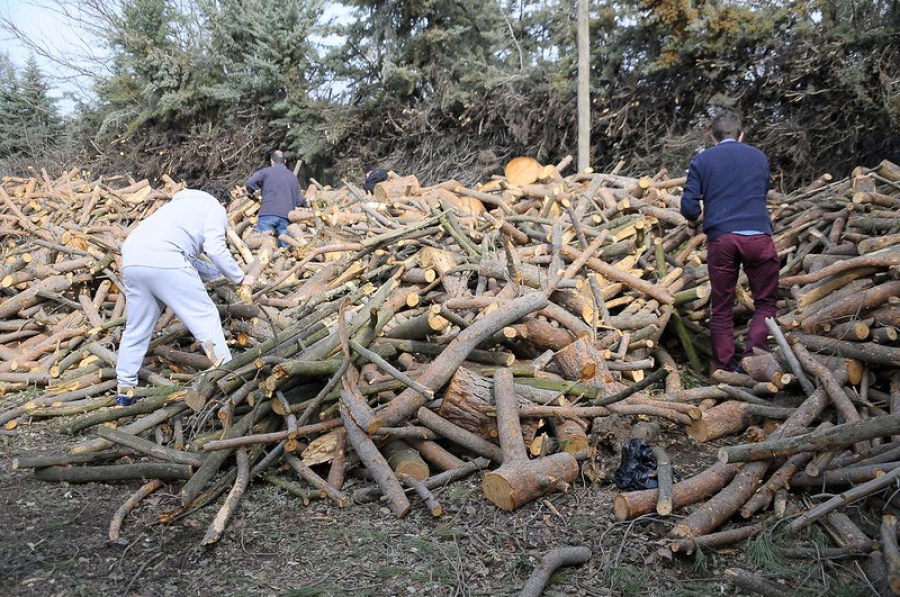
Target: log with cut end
pixel 688 546
pixel 763 366
pixel 727 418
pixel 665 481
pixel 405 460
pixel 520 480
pixel 397 186
pixel 468 402
pixel 629 505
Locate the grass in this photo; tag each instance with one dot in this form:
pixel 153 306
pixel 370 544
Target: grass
pixel 55 525
pixel 626 581
pixel 319 590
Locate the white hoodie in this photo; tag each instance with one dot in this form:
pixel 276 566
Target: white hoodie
pixel 176 233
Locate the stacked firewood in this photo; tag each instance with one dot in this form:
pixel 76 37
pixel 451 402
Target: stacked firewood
pixel 448 329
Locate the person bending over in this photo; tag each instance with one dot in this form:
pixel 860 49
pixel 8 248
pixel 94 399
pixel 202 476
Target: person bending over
pixel 162 267
pixel 280 192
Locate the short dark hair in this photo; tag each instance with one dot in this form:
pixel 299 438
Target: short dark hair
pixel 219 190
pixel 726 124
pixel 277 157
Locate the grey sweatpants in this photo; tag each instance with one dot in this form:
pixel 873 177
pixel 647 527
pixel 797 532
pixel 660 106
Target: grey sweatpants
pixel 147 291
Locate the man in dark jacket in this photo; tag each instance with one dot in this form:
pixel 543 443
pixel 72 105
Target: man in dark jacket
pixel 373 177
pixel 732 180
pixel 280 194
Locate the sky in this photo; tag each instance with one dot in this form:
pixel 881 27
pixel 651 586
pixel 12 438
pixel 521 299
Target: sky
pixel 40 21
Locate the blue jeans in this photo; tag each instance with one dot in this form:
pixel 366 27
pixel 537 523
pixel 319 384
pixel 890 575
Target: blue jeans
pixel 276 223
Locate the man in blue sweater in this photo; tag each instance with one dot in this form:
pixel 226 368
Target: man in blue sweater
pixel 280 194
pixel 732 180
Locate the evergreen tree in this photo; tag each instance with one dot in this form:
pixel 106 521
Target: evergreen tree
pixel 150 65
pixel 262 57
pixel 10 128
pixel 41 122
pixel 31 124
pixel 423 50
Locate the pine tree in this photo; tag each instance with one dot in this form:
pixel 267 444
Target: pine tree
pixel 10 138
pixel 30 123
pixel 41 122
pixel 423 50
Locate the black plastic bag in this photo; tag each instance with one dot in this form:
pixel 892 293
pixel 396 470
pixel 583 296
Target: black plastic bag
pixel 638 468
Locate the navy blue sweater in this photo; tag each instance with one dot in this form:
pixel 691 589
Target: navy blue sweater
pixel 732 180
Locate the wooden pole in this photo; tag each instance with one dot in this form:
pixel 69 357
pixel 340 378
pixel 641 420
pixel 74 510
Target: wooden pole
pixel 584 88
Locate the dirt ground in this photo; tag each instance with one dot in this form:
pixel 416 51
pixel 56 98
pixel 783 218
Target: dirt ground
pixel 54 542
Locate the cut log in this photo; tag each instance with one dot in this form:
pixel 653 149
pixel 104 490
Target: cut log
pixel 727 418
pixel 520 480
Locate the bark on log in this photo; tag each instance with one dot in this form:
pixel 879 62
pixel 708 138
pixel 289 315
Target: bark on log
pixel 891 551
pixel 405 460
pixel 442 368
pixel 375 462
pixel 150 448
pixel 115 472
pixel 711 514
pixel 867 352
pixel 520 480
pixel 755 583
pixel 217 527
pixel 727 418
pixel 460 436
pixel 115 525
pixel 848 497
pixel 839 435
pixel 550 563
pixel 665 481
pixel 688 546
pixel 627 506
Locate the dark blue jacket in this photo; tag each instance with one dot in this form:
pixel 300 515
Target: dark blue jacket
pixel 732 180
pixel 280 190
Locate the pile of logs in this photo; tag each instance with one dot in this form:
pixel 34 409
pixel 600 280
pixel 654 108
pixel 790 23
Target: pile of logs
pixel 420 334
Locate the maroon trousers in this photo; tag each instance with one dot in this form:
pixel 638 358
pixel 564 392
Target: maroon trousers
pixel 725 256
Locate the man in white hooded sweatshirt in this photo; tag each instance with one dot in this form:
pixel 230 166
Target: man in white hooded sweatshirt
pixel 161 267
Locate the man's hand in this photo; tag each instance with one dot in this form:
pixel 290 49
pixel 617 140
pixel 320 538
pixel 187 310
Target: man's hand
pixel 245 290
pixel 692 227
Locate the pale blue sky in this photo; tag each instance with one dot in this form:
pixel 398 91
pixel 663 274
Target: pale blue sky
pixel 61 40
